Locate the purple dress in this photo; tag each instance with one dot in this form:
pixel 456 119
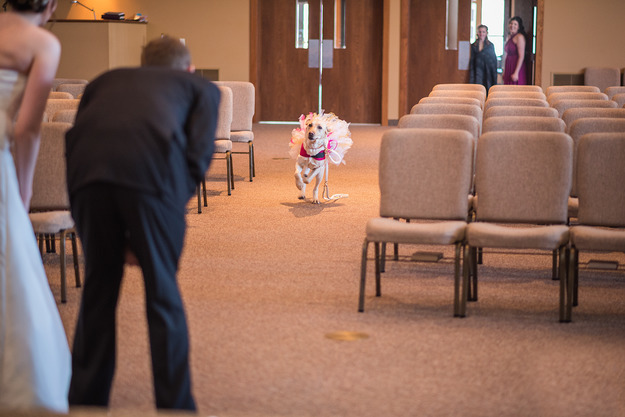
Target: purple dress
pixel 512 56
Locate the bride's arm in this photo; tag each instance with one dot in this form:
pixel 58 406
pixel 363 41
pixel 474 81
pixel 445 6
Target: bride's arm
pixel 30 114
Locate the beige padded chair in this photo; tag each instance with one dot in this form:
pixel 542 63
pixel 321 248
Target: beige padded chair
pixel 611 91
pixel 571 115
pixel 571 88
pixel 502 87
pixel 55 104
pixel 601 189
pixel 619 99
pixel 517 94
pixel 602 77
pixel 424 176
pixel 517 102
pixel 49 206
pixel 460 86
pixel 522 181
pixel 451 100
pixel 498 111
pixel 75 89
pixel 440 121
pixel 58 81
pixel 523 123
pixel 562 105
pixel 243 99
pixel 460 93
pixel 465 109
pixel 60 94
pixel 223 145
pixel 576 96
pixel 64 116
pixel 581 127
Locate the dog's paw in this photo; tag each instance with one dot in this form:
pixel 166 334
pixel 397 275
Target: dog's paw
pixel 316 201
pixel 301 197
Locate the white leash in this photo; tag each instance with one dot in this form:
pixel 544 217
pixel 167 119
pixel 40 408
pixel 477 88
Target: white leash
pixel 326 191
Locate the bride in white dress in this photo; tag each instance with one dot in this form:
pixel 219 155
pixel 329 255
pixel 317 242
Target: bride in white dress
pixel 35 363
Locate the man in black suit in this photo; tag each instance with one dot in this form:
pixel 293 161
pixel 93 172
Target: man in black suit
pixel 142 140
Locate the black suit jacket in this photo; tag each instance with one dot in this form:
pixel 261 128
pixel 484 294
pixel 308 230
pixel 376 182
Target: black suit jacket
pixel 149 128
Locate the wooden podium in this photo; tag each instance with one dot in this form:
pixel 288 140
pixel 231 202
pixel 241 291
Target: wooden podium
pixel 90 47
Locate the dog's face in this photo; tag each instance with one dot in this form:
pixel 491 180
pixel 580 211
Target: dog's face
pixel 316 131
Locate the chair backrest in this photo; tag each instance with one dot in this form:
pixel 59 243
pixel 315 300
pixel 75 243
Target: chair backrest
pixel 74 89
pixel 517 94
pixel 585 125
pixel 601 179
pixel 571 115
pixel 523 177
pixel 460 86
pixel 460 93
pixel 58 81
pixel 619 99
pixel 602 77
pixel 425 173
pixel 440 121
pixel 224 118
pixel 571 88
pixel 611 91
pixel 55 104
pixel 523 123
pixel 243 103
pixel 60 94
pixel 451 100
pixel 466 109
pixel 576 96
pixel 506 87
pixel 65 116
pixel 534 102
pixel 496 111
pixel 562 105
pixel 49 180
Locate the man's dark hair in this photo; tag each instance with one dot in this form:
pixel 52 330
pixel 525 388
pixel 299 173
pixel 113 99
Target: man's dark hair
pixel 36 6
pixel 166 52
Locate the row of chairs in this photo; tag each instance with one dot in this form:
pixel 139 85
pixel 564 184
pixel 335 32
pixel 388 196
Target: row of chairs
pixel 508 190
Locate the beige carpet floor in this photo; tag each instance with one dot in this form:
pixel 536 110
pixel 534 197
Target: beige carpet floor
pixel 266 278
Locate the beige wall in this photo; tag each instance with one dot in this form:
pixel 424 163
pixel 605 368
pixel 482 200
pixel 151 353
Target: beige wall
pixel 582 33
pixel 216 31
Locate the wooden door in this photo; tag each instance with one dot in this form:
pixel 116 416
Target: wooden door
pixel 287 88
pixel 424 60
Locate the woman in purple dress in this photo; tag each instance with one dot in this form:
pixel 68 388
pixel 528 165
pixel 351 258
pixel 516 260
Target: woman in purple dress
pixel 514 70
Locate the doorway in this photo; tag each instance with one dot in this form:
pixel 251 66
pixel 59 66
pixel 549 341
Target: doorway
pixel 287 87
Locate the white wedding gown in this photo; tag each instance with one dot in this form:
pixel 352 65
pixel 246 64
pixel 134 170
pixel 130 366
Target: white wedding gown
pixel 35 363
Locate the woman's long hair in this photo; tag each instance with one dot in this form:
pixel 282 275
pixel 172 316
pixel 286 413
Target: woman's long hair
pixel 521 27
pixel 36 6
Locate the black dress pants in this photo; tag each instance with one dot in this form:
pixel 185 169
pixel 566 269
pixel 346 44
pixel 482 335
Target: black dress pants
pixel 109 218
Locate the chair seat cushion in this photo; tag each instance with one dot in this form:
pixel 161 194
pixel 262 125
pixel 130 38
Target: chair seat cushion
pixel 431 233
pixel 223 145
pixel 51 221
pixel 598 238
pixel 242 136
pixel 489 235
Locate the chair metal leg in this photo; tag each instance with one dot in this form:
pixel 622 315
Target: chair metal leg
pixel 457 281
pixel 566 292
pixel 480 256
pixel 574 274
pixel 199 199
pixel 75 256
pixel 363 276
pixel 251 156
pixel 464 294
pixel 554 265
pixel 472 293
pixel 62 237
pixel 378 290
pixel 229 172
pixel 204 191
pixel 383 258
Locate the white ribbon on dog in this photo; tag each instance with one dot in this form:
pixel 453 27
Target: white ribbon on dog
pixel 326 190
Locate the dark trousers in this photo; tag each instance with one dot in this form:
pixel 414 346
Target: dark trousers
pixel 108 219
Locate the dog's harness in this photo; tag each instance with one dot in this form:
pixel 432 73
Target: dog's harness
pixel 319 157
